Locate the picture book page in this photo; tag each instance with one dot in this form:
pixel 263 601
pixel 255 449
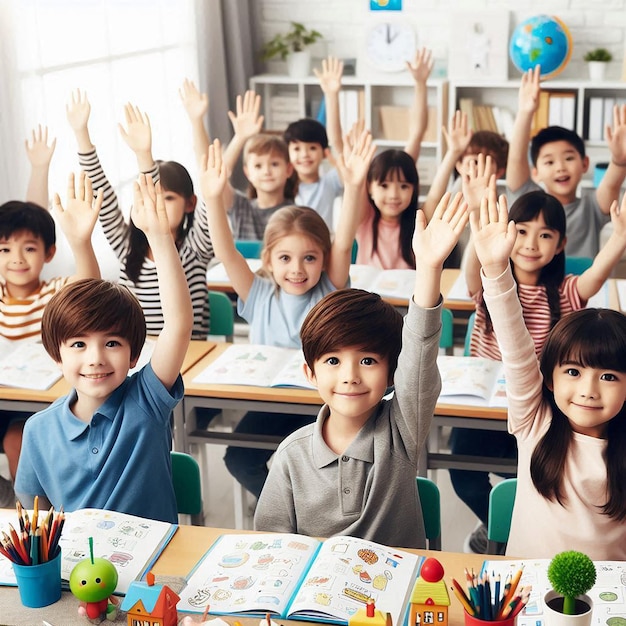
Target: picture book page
pixel 347 572
pixel 472 381
pixel 391 283
pixel 27 365
pixel 216 274
pixel 254 574
pixel 608 593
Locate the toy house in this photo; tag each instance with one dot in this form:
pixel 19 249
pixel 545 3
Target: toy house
pixel 430 599
pixel 149 604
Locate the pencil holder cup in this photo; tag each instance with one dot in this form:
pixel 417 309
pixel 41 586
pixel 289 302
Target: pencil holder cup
pixel 470 620
pixel 553 611
pixel 39 585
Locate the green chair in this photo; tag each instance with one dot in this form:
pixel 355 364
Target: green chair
pixel 468 334
pixel 187 486
pixel 501 500
pixel 446 340
pixel 249 248
pixel 222 315
pixel 577 264
pixel 430 500
pixel 355 250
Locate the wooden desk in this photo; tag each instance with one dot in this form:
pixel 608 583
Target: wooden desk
pixel 184 550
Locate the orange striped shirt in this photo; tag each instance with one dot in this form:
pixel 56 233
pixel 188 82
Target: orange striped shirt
pixel 20 318
pixel 535 311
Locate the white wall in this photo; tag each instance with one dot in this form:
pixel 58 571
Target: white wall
pixel 592 23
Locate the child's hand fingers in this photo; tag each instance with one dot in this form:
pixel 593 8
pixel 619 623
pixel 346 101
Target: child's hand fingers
pixel 71 194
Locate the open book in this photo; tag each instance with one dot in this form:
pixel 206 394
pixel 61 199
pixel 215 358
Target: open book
pixel 131 543
pixel 262 366
pixel 216 274
pixel 471 380
pixel 299 577
pixel 608 593
pixel 27 365
pixel 390 283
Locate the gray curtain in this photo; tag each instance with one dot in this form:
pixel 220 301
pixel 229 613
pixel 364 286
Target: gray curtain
pixel 228 41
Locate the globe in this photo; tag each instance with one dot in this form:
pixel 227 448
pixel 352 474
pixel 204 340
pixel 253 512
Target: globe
pixel 541 40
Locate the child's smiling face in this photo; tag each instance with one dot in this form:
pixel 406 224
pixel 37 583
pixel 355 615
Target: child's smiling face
pixel 268 172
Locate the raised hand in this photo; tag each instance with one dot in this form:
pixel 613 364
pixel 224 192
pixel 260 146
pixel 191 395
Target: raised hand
pixel 493 234
pixel 77 110
pixel 213 177
pixel 38 151
pixel 477 180
pixel 246 121
pixel 616 136
pixel 528 97
pixel 80 214
pixel 458 134
pixel 148 211
pixel 137 134
pixel 433 242
pixel 355 161
pixel 196 104
pixel 422 65
pixel 330 76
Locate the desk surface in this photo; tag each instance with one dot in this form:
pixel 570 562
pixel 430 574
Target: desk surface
pixel 185 549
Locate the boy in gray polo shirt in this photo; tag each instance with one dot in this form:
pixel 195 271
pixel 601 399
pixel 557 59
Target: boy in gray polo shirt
pixel 353 471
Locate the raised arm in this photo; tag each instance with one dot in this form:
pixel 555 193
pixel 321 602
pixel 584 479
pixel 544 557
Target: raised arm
pixel 138 136
pixel 247 122
pixel 353 169
pixel 432 244
pixel 39 154
pixel 213 182
pixel 517 168
pixel 77 111
pixel 457 139
pixel 608 190
pixel 77 220
pixel 148 213
pixel 420 70
pixel 196 105
pixel 590 281
pixel 330 82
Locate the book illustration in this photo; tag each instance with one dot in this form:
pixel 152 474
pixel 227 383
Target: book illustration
pixel 299 577
pixel 26 365
pixel 608 593
pixel 390 283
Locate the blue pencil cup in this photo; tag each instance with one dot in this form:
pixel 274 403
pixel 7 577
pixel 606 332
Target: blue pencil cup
pixel 39 585
pixel 598 173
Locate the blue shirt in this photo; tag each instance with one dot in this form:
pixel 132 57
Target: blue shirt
pixel 321 195
pixel 120 461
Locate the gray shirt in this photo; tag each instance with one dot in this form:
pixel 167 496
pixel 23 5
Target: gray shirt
pixel 370 490
pixel 247 221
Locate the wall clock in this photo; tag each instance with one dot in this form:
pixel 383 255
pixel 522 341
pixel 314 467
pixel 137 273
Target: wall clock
pixel 388 45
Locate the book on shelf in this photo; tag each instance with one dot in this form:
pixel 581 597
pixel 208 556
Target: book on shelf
pixel 26 365
pixel 595 130
pixel 471 380
pixel 299 577
pixel 389 283
pixel 131 543
pixel 607 594
pixel 258 365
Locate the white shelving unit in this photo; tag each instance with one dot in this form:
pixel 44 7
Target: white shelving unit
pixel 306 95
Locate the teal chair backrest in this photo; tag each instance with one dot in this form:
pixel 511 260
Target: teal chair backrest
pixel 355 250
pixel 447 330
pixel 222 315
pixel 577 264
pixel 468 334
pixel 501 500
pixel 249 248
pixel 187 486
pixel 430 499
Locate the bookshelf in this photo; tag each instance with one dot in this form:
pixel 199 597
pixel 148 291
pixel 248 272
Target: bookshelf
pixel 575 103
pixel 381 101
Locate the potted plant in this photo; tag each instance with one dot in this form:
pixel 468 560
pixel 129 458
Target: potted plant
pixel 292 47
pixel 571 574
pixel 597 59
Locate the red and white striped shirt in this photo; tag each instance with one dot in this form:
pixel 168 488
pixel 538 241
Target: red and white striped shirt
pixel 535 311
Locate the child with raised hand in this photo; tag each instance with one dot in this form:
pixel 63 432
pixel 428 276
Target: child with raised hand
pixel 300 266
pixel 559 162
pixel 352 342
pixel 546 294
pixel 387 214
pixel 27 243
pixel 39 153
pixel 106 445
pixel 196 105
pixel 189 229
pixel 567 412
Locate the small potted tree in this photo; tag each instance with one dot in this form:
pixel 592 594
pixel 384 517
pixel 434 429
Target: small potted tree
pixel 597 60
pixel 572 574
pixel 293 47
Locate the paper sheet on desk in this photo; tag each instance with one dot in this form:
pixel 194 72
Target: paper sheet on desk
pixel 458 291
pixel 601 299
pixel 621 293
pixel 27 365
pixel 216 274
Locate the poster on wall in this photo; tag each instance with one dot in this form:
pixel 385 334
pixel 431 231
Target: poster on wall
pixel 385 5
pixel 479 45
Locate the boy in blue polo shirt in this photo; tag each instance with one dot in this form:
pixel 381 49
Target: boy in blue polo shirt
pixel 106 444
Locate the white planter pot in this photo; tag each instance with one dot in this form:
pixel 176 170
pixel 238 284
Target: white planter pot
pixel 597 70
pixel 299 64
pixel 554 617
